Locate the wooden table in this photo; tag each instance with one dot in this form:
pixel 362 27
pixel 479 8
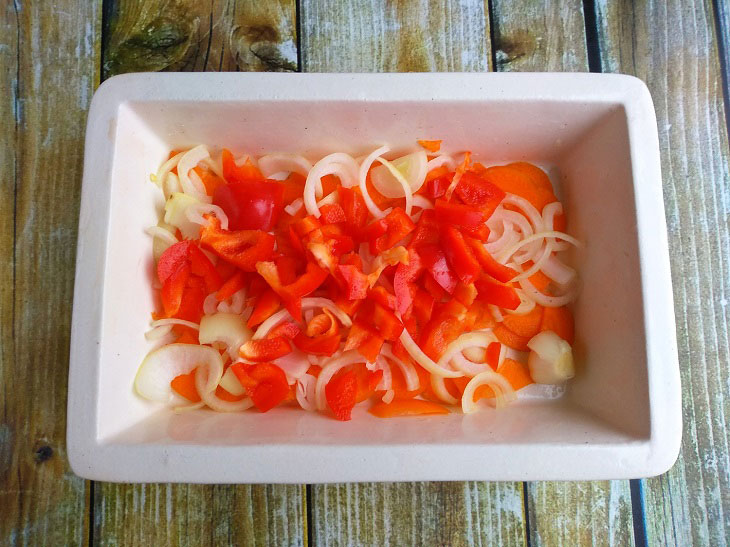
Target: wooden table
pixel 52 57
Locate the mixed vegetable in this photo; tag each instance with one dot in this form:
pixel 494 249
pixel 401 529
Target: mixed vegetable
pixel 409 283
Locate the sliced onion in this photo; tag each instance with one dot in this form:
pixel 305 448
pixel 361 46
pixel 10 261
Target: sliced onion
pixel 174 321
pixel 395 179
pixel 229 382
pixel 551 358
pixel 210 304
pixel 339 164
pixel 175 214
pixel 503 390
pixel 528 208
pixel 439 388
pixel 475 354
pixel 363 177
pixel 312 302
pixel 227 328
pixel 508 238
pixel 157 332
pixel 401 181
pixel 496 313
pixel 502 354
pixel 547 300
pixel 424 360
pixel 559 272
pixel 527 304
pixel 215 165
pixel 181 409
pixel 212 400
pixel 388 396
pixel 468 367
pixel 234 304
pixel 171 185
pixel 329 199
pixel 466 340
pixel 386 382
pixel 162 365
pixel 291 163
pixel 407 369
pixel 438 161
pixel 506 254
pixel 305 392
pixel 329 369
pixel 162 234
pixel 193 186
pixel 294 207
pixel 159 177
pixel 195 211
pixel 294 365
pixel 422 202
pixel 270 323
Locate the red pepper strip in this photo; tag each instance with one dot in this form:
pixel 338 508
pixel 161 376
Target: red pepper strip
pixel 265 349
pixel 288 266
pixel 265 383
pixel 306 225
pixel 173 289
pixel 267 304
pixel 366 340
pixel 434 260
pixel 439 333
pixel 427 230
pixel 367 381
pixel 406 407
pixel 404 281
pixel 386 232
pixel 382 297
pixel 172 259
pixel 496 293
pixel 231 286
pixel 436 187
pixel 332 213
pixel 244 248
pixel 493 351
pixel 291 294
pixel 481 233
pixel 325 344
pixel 287 329
pixel 355 282
pixel 388 325
pixel 498 271
pixel 340 393
pixel 356 212
pixel 459 255
pixel 455 214
pixel 296 241
pixel 478 192
pixel 247 172
pixel 433 288
pixel 191 305
pixel 203 267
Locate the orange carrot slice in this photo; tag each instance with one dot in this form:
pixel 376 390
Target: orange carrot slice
pixel 431 146
pixel 539 280
pixel 517 374
pixel 516 182
pixel 538 176
pixel 185 386
pixel 560 321
pixel 527 325
pixel 509 338
pixel 406 407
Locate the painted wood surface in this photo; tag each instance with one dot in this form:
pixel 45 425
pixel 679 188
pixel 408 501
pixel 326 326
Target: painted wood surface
pixel 49 65
pixel 538 37
pixel 672 46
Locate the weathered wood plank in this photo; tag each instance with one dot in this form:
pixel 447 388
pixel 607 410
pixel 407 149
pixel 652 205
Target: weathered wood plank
pixel 165 514
pixel 49 65
pixel 550 36
pixel 188 35
pixel 221 35
pixel 426 513
pixel 404 36
pixel 672 46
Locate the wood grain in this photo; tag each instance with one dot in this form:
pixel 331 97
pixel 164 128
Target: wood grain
pixel 165 514
pixel 403 36
pixel 219 35
pixel 189 35
pixel 49 66
pixel 431 513
pixel 550 36
pixel 672 47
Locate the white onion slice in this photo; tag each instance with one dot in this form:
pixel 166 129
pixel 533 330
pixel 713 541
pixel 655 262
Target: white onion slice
pixel 312 302
pixel 329 199
pixel 211 399
pixel 396 178
pixel 439 389
pixel 294 207
pixel 547 300
pixel 386 382
pixel 329 369
pixel 507 253
pixel 528 208
pixel 229 382
pixel 162 365
pixel 468 367
pixel 496 313
pixel 527 304
pixel 401 181
pixel 291 163
pixel 438 161
pixel 305 392
pixel 499 384
pixel 388 396
pixel 227 328
pixel 559 272
pixel 362 177
pixel 466 340
pixel 162 234
pixel 210 304
pixel 424 360
pixel 193 186
pixel 157 332
pixel 339 164
pixel 551 359
pixel 171 185
pixel 164 170
pixel 195 211
pixel 294 364
pixel 422 202
pixel 407 369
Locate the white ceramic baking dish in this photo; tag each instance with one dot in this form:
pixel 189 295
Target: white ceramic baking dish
pixel 620 417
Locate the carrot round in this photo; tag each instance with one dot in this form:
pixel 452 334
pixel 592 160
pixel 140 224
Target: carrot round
pixel 185 386
pixel 509 338
pixel 516 182
pixel 406 407
pixel 538 176
pixel 539 280
pixel 560 321
pixel 517 374
pixel 527 325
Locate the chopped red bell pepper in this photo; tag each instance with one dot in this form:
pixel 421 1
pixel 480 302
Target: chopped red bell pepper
pixel 291 294
pixel 366 340
pixel 388 325
pixel 381 296
pixel 191 305
pixel 459 256
pixel 456 214
pixel 356 212
pixel 306 225
pixel 231 286
pixel 427 230
pixel 386 232
pixel 233 172
pixel 481 232
pixel 244 248
pixel 404 281
pixel 173 289
pixel 497 293
pixel 287 329
pixel 498 271
pixel 267 304
pixel 325 344
pixel 465 294
pixel 436 187
pixel 493 351
pixel 355 282
pixel 434 260
pixel 265 349
pixel 438 333
pixel 187 252
pixel 251 205
pixel 423 304
pixel 265 383
pixel 341 393
pixel 478 192
pixel 332 213
pixel 201 266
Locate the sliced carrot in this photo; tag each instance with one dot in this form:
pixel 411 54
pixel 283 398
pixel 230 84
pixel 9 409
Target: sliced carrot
pixel 431 146
pixel 227 396
pixel 185 335
pixel 510 339
pixel 538 176
pixel 516 182
pixel 527 325
pixel 539 280
pixel 560 321
pixel 185 386
pixel 517 374
pixel 406 407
